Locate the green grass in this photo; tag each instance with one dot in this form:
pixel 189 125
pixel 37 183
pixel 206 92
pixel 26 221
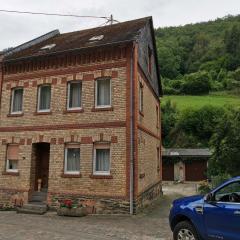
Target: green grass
pixel 215 99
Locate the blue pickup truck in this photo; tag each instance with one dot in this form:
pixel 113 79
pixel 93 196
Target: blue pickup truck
pixel 215 216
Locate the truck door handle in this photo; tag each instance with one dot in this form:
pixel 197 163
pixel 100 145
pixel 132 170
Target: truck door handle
pixel 237 212
pixel 199 209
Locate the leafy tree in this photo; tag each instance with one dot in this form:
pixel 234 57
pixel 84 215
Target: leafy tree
pixel 212 46
pixel 225 144
pixel 196 83
pixel 169 118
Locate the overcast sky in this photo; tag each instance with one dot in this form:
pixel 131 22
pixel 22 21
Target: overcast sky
pixel 16 29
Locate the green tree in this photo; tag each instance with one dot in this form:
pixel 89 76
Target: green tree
pixel 225 144
pixel 196 83
pixel 169 119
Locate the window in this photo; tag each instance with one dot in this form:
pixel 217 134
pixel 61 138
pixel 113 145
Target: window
pixel 103 93
pixel 72 159
pixel 157 116
pixel 44 98
pixel 12 158
pixel 229 193
pixel 17 101
pixel 102 160
pixel 158 159
pixel 74 95
pixel 140 97
pixel 149 60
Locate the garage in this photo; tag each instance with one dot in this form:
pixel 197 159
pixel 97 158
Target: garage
pixel 168 171
pixel 181 164
pixel 196 170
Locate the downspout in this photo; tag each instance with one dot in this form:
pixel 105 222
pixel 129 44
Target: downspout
pixel 131 188
pixel 1 77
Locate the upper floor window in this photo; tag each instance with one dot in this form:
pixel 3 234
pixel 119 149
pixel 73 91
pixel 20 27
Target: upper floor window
pixel 103 92
pixel 44 98
pixel 101 162
pixel 140 97
pixel 157 116
pixel 17 101
pixel 149 60
pixel 72 159
pixel 74 95
pixel 12 158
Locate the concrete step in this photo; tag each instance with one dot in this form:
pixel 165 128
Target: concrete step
pixel 33 208
pixel 39 197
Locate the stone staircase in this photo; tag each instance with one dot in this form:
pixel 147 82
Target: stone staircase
pixel 37 204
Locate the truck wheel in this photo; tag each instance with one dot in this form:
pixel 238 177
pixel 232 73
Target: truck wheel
pixel 185 231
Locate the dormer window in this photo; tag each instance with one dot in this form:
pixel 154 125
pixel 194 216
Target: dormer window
pixel 96 38
pixel 48 47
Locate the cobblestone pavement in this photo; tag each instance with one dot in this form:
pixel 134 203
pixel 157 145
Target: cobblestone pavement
pixel 150 224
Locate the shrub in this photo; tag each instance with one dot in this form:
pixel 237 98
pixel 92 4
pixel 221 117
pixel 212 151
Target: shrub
pixel 196 84
pixel 204 187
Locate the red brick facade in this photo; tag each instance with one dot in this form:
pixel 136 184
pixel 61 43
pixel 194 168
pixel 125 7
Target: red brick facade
pixel 86 127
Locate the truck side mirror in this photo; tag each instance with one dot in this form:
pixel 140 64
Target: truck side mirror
pixel 209 197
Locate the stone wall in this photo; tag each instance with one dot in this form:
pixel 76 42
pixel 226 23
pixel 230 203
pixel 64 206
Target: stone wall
pixel 149 195
pixel 94 204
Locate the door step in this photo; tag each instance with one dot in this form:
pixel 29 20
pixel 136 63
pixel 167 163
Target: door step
pixel 33 208
pixel 39 197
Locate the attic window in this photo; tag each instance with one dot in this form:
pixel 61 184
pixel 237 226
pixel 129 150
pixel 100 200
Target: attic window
pixel 48 47
pixel 96 38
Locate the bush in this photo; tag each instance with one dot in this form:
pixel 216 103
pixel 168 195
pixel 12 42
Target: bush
pixel 196 84
pixel 204 187
pixel 170 91
pixel 216 86
pixel 218 180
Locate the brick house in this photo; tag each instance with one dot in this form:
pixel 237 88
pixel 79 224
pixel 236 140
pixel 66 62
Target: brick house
pixel 80 118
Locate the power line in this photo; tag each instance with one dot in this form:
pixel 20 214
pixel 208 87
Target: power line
pixel 53 14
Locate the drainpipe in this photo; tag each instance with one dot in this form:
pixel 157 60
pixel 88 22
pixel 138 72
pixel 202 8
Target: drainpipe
pixel 1 76
pixel 131 188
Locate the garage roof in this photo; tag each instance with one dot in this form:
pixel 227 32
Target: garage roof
pixel 186 152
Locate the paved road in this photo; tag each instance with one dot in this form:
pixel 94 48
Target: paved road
pixel 151 224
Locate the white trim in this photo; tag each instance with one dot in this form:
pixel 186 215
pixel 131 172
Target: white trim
pixel 101 173
pixel 96 97
pixel 68 95
pixel 65 163
pixel 12 100
pixel 11 170
pixel 39 94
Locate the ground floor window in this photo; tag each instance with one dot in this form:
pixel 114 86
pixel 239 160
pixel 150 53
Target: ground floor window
pixel 101 162
pixel 12 158
pixel 72 159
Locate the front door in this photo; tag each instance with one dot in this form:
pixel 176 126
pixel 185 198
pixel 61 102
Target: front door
pixel 42 165
pixel 222 217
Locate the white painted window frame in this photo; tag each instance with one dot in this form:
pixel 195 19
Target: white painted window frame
pixel 68 95
pixel 65 163
pixel 101 173
pixel 12 100
pixel 96 93
pixel 11 170
pixel 39 94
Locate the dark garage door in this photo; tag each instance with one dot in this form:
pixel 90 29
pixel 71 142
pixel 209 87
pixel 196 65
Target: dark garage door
pixel 168 172
pixel 196 171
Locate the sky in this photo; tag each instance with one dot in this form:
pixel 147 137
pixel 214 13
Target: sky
pixel 16 29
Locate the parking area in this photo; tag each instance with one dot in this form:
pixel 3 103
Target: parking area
pixel 150 224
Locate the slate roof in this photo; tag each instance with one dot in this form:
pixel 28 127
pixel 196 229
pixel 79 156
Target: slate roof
pixel 186 152
pixel 116 33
